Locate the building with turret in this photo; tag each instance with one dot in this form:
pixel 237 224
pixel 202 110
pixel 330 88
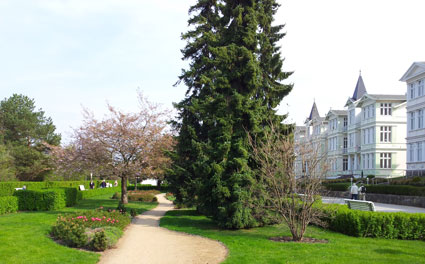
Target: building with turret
pixel 366 138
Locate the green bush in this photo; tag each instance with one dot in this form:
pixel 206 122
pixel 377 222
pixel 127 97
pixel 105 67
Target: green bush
pixel 41 200
pixel 341 187
pixel 8 204
pixel 381 188
pixel 143 196
pixel 82 195
pixel 8 188
pixel 147 187
pixel 99 241
pixel 71 233
pixel 374 224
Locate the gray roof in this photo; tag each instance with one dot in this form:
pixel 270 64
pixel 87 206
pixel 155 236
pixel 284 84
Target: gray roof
pixel 360 89
pixel 395 97
pixel 314 112
pixel 297 128
pixel 340 112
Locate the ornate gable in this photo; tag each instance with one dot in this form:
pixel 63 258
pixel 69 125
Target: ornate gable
pixel 414 70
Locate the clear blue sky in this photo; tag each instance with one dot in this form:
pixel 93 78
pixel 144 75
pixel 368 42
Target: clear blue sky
pixel 71 53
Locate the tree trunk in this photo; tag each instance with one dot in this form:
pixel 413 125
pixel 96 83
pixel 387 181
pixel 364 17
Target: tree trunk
pixel 158 184
pixel 124 197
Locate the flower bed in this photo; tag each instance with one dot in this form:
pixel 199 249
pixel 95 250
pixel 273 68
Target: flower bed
pixel 96 230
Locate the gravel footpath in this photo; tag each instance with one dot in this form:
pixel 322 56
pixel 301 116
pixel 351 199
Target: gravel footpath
pixel 145 242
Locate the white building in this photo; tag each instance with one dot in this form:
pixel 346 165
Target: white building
pixel 368 138
pixel 415 79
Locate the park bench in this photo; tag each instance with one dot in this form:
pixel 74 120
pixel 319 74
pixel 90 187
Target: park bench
pixel 360 205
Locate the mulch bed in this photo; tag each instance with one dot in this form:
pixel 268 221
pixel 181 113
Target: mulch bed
pixel 304 240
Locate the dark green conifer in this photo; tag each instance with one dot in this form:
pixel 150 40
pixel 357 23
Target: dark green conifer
pixel 233 89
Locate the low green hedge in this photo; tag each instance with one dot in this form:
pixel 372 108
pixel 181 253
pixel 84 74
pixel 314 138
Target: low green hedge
pixel 381 188
pixel 8 204
pixel 82 195
pixel 148 187
pixel 41 200
pixel 374 224
pixel 8 188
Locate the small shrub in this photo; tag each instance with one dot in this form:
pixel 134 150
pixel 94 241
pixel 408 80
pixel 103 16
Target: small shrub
pixel 71 233
pixel 133 212
pixel 99 242
pixel 121 208
pixel 116 196
pixel 8 204
pixel 143 196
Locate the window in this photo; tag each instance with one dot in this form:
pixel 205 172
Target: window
pixel 351 117
pixel 368 135
pixel 412 90
pixel 419 151
pixel 385 135
pixel 345 164
pixel 385 109
pixel 345 142
pixel 411 153
pixel 385 161
pixel 412 120
pixel 420 118
pixel 352 140
pixel 420 87
pixel 345 121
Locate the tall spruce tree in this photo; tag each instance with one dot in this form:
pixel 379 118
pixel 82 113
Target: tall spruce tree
pixel 233 89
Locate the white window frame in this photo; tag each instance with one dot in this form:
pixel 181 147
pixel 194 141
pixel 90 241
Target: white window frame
pixel 386 109
pixel 385 160
pixel 385 134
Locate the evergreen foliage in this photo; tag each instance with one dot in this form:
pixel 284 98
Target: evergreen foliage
pixel 234 86
pixel 25 131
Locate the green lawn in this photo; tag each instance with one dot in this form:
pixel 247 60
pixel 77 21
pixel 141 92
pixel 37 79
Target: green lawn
pixel 253 245
pixel 24 237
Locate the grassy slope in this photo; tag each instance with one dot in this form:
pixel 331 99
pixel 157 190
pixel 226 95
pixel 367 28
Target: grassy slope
pixel 253 246
pixel 24 236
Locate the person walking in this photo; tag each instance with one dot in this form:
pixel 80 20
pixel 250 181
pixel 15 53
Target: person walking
pixel 362 194
pixel 354 192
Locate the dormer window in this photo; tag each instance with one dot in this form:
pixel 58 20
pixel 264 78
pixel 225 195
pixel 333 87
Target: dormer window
pixel 386 109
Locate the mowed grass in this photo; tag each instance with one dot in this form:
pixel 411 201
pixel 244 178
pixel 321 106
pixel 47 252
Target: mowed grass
pixel 24 236
pixel 254 246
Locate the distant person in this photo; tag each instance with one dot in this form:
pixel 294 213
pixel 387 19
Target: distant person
pixel 362 194
pixel 103 184
pixel 24 187
pixel 115 183
pixel 354 192
pixel 91 185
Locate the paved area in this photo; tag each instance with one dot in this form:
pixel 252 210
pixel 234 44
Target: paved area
pixel 380 207
pixel 145 242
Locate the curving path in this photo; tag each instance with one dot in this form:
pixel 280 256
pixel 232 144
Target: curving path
pixel 145 242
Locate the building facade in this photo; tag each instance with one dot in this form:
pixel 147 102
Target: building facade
pixel 367 138
pixel 415 79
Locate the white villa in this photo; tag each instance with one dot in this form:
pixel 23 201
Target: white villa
pixel 415 78
pixel 368 138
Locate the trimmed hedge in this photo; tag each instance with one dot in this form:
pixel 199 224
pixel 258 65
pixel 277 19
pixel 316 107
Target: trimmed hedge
pixel 8 204
pixel 374 224
pixel 41 200
pixel 8 188
pixel 148 187
pixel 96 192
pixel 381 188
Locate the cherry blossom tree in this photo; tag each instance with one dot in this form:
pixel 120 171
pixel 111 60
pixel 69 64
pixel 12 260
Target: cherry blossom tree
pixel 125 145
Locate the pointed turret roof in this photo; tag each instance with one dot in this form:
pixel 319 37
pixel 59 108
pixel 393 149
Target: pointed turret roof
pixel 360 89
pixel 314 112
